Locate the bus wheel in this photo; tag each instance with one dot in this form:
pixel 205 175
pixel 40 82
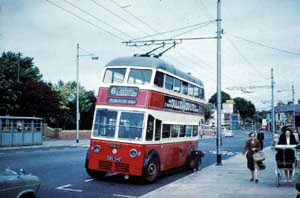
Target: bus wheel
pixel 95 174
pixel 152 170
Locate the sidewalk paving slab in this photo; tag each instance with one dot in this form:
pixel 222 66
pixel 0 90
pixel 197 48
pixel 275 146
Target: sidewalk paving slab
pixel 51 143
pixel 231 180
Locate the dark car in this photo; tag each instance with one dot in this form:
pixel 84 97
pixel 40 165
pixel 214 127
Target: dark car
pixel 18 185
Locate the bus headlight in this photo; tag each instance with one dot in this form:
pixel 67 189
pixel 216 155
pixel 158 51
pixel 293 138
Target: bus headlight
pixel 133 153
pixel 96 148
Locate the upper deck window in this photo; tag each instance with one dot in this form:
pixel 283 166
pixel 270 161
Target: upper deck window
pixel 169 82
pixel 114 75
pixel 159 79
pixel 105 123
pixel 139 76
pixel 177 85
pixel 131 125
pixel 184 88
pixel 191 90
pixel 201 93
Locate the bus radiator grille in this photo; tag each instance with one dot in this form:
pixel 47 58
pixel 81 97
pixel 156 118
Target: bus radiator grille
pixel 105 165
pixel 121 167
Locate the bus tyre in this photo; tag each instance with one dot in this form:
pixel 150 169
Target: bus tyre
pixel 152 170
pixel 95 174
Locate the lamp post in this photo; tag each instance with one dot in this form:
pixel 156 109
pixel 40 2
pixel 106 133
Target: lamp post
pixel 293 102
pixel 77 88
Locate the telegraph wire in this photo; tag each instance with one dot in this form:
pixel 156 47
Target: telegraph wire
pixel 264 45
pixel 85 20
pixel 98 19
pixel 188 31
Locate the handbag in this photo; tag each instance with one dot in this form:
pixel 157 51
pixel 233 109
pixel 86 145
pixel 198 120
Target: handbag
pixel 259 156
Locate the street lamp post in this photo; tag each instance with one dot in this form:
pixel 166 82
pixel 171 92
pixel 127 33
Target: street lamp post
pixel 77 88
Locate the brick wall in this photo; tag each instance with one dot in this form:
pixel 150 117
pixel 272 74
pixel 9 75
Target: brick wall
pixel 60 134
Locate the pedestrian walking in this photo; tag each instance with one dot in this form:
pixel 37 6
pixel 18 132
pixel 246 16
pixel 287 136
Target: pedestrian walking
pixel 287 138
pixel 275 139
pixel 296 134
pixel 261 137
pixel 252 145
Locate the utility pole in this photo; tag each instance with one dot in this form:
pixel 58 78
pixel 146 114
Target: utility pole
pixel 272 102
pixel 219 128
pixel 293 93
pixel 77 95
pixel 19 56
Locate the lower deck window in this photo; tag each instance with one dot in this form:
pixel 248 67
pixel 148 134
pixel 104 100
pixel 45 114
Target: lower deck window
pixel 105 123
pixel 131 125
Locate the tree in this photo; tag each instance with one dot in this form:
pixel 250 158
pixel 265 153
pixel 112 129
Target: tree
pixel 24 94
pixel 224 96
pixel 245 108
pixel 207 111
pixel 67 105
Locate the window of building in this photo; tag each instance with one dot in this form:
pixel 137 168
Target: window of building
pixel 150 128
pixel 159 79
pixel 139 76
pixel 114 75
pixel 184 87
pixel 157 129
pixel 177 85
pixel 169 82
pixel 166 131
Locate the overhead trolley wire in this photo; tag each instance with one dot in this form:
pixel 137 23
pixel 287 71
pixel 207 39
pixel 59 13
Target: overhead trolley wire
pixel 85 20
pixel 118 16
pixel 98 19
pixel 264 45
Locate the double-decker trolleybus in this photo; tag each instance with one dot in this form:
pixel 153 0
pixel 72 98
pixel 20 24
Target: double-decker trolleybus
pixel 146 118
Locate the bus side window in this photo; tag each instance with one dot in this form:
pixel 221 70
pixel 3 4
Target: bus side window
pixel 157 129
pixel 175 129
pixel 159 79
pixel 166 131
pixel 169 81
pixel 181 131
pixel 195 130
pixel 150 128
pixel 188 130
pixel 184 88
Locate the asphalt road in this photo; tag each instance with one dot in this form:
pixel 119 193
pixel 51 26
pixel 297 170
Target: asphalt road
pixel 62 172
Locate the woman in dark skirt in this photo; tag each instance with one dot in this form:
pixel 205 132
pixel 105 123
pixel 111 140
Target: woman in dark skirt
pixel 251 146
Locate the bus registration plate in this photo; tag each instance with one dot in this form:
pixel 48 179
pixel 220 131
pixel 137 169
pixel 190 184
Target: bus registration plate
pixel 113 158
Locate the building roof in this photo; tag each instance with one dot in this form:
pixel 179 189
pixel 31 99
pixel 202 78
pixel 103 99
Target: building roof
pixel 155 63
pixel 287 108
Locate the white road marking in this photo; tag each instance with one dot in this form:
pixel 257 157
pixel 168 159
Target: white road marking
pixel 68 189
pixel 88 180
pixel 127 196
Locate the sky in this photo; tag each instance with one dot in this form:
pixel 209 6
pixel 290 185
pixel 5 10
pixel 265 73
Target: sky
pixel 48 31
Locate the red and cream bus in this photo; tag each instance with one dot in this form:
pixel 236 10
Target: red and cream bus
pixel 146 118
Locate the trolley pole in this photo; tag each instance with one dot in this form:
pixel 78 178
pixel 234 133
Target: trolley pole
pixel 77 95
pixel 293 93
pixel 272 103
pixel 219 129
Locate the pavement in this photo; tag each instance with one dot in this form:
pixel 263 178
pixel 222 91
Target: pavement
pixel 231 180
pixel 51 143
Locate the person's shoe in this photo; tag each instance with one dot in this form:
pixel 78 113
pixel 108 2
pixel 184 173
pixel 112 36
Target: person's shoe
pixel 256 181
pixel 251 179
